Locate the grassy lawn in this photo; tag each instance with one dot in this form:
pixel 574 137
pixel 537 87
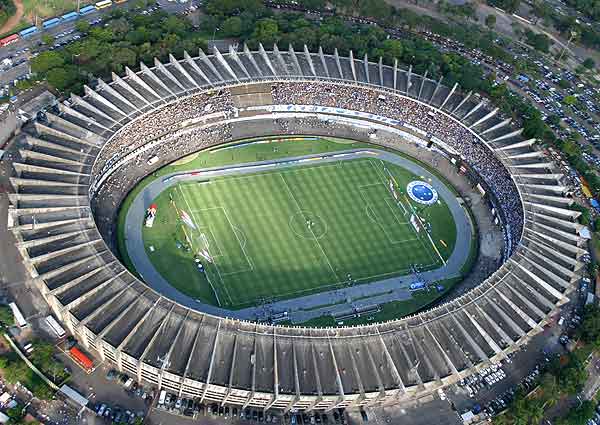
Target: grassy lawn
pixel 50 8
pixel 223 155
pixel 293 232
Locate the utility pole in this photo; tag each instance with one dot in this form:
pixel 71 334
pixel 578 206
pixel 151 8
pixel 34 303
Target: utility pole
pixel 571 37
pixel 78 5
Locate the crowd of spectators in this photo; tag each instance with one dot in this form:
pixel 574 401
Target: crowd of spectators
pixel 163 121
pixel 471 149
pixel 171 131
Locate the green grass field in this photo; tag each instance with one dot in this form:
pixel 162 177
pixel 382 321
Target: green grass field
pixel 292 232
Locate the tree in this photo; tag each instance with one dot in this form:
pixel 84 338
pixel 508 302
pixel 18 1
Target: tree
pixel 47 39
pixel 392 49
pixel 539 42
pixel 232 27
pixel 266 32
pixel 589 63
pixel 17 371
pixel 589 330
pixel 6 316
pixel 490 21
pixel 83 26
pixel 570 100
pixel 62 78
pixel 553 120
pixel 42 355
pixel 15 414
pixel 46 61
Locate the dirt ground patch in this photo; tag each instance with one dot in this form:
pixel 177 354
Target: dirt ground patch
pixel 14 20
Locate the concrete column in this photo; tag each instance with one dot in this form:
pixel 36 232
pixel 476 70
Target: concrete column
pixel 252 60
pixel 231 371
pixel 157 332
pixel 104 101
pixel 394 368
pixel 127 87
pixel 309 60
pixel 76 114
pixel 532 323
pixel 352 66
pixel 449 95
pixel 34 141
pixel 107 88
pixel 514 326
pixel 280 60
pixel 234 54
pixel 92 292
pixel 323 62
pixel 462 102
pixel 423 81
pixel 58 253
pixel 95 111
pixel 295 62
pixel 469 338
pixel 49 158
pixel 159 83
pixel 484 118
pixel 337 62
pixel 45 240
pixel 138 80
pixel 43 129
pixel 497 126
pixel 63 269
pixel 473 110
pixel 189 360
pixel 206 61
pixel 225 64
pixel 191 62
pixel 435 90
pixel 212 362
pixel 175 63
pixel 395 74
pixel 119 349
pixel 486 336
pixel 508 135
pixel 263 54
pixel 72 283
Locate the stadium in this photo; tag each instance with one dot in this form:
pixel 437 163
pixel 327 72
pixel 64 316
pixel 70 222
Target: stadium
pixel 76 167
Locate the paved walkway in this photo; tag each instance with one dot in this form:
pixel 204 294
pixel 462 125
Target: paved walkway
pixel 300 309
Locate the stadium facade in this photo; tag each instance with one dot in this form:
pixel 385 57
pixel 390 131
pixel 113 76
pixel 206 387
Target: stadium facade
pixel 75 167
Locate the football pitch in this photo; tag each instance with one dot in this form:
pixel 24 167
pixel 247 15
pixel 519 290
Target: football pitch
pixel 294 231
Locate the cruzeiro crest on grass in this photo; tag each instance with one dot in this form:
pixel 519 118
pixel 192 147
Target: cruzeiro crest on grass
pixel 422 192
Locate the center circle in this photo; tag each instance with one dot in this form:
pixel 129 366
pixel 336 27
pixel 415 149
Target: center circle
pixel 422 192
pixel 308 225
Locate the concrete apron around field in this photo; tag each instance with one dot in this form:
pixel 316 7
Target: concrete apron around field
pixel 306 307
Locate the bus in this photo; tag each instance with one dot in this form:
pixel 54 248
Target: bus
pixel 103 4
pixel 51 23
pixel 19 319
pixel 8 40
pixel 56 327
pixel 69 16
pixel 81 359
pixel 28 31
pixel 87 9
